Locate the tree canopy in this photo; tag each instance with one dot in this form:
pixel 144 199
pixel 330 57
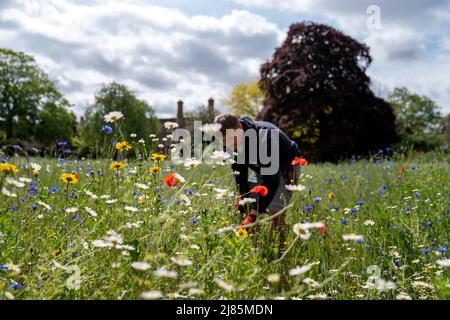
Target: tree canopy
pixel 245 99
pixel 26 94
pixel 419 121
pixel 317 90
pixel 140 116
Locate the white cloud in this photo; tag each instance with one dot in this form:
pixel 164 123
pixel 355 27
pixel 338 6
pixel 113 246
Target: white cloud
pixel 161 53
pixel 167 55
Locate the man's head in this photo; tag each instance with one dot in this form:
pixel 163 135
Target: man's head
pixel 230 124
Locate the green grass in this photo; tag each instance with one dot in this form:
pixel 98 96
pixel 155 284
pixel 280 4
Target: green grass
pixel 43 243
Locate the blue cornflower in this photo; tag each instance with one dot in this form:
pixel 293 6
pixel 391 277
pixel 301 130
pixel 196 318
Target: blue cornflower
pixel 194 220
pixel 61 143
pixel 397 263
pixel 425 251
pixel 308 208
pixel 441 249
pixel 60 159
pixel 172 166
pixel 337 208
pixel 190 192
pixel 32 189
pixel 53 190
pixel 445 148
pixel 360 203
pixel 67 151
pixel 73 217
pixel 4 267
pixel 3 160
pixel 17 147
pixel 107 129
pixel 428 223
pixel 408 209
pixel 353 210
pixel 413 168
pixel 15 286
pixel 34 207
pixel 380 192
pixel 360 241
pixel 344 221
pixel 317 199
pixel 417 195
pixel 393 227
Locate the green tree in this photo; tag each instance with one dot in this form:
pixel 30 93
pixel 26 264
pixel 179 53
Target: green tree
pixel 56 123
pixel 419 122
pixel 245 99
pixel 139 116
pixel 24 90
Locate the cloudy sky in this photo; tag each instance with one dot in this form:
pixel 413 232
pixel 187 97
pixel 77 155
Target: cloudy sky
pixel 192 50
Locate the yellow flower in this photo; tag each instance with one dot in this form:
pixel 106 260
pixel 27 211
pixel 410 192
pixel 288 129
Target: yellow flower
pixel 155 169
pixel 242 233
pixel 123 146
pixel 157 157
pixel 330 195
pixel 71 178
pixel 56 253
pixel 8 168
pixel 116 166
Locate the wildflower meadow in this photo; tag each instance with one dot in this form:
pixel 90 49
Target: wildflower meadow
pixel 136 224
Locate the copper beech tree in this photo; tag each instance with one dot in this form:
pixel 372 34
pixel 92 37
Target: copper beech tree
pixel 317 90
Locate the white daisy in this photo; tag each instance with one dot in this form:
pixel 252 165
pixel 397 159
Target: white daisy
pixel 170 125
pixel 181 261
pixel 223 285
pixel 140 266
pixel 211 128
pixel 130 209
pixel 445 263
pixel 113 116
pixel 300 270
pixel 151 295
pixel 352 237
pixel 165 273
pixel 369 223
pixel 295 188
pixel 90 211
pixel 141 186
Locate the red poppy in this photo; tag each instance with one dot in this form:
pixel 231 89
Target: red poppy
pixel 262 190
pixel 299 162
pixel 322 229
pixel 171 180
pixel 402 169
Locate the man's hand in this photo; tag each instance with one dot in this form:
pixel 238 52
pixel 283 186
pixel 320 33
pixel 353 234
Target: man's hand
pixel 251 218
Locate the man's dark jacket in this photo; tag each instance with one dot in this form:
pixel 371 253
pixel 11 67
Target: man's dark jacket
pixel 288 150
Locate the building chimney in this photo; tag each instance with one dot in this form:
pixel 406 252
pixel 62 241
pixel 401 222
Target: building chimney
pixel 211 109
pixel 180 114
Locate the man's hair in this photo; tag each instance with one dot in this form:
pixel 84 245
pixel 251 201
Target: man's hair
pixel 227 121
